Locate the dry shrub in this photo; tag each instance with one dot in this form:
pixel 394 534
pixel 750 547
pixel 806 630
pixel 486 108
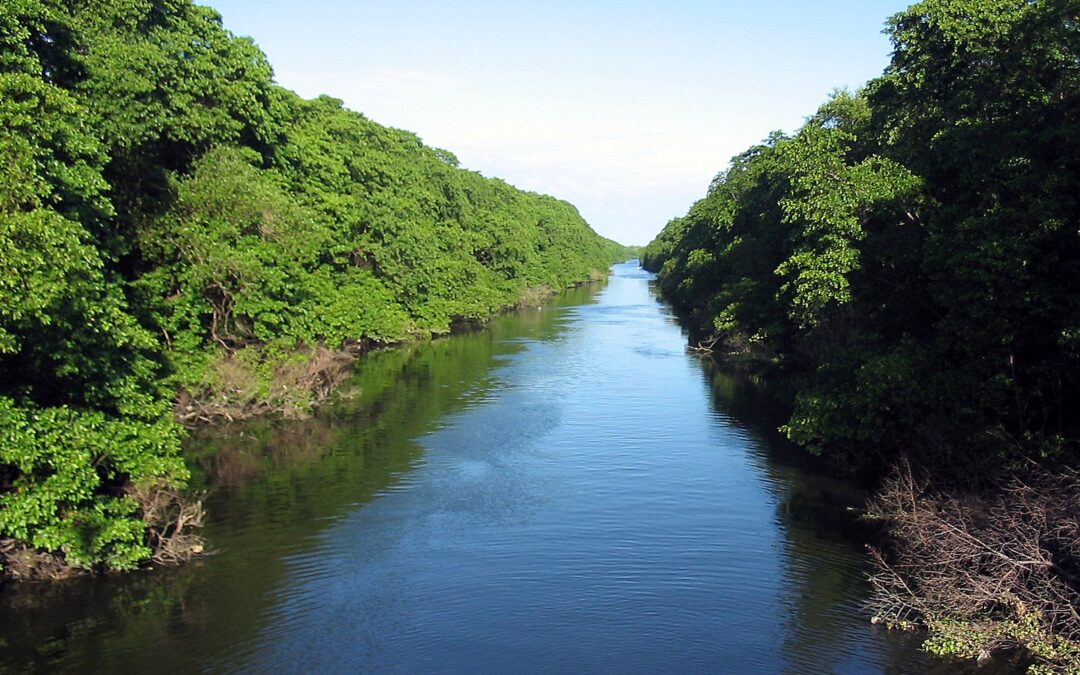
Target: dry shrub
pixel 239 391
pixel 297 386
pixel 535 296
pixel 736 348
pixel 172 520
pixel 987 571
pixel 23 563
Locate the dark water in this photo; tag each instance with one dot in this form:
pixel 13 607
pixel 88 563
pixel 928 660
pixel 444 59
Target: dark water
pixel 568 491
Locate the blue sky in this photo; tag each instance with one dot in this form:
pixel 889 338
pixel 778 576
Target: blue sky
pixel 626 109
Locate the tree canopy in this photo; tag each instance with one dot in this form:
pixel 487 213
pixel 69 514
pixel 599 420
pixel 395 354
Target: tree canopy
pixel 911 255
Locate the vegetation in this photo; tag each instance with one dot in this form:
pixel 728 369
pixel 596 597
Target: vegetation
pixel 909 258
pixel 179 235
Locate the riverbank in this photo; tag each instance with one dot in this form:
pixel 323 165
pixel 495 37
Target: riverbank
pixel 220 247
pixel 240 384
pixel 981 557
pixel 909 261
pixel 986 564
pixel 564 491
pixel 258 380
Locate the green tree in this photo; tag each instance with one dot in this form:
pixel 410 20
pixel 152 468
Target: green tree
pixel 173 223
pixel 80 412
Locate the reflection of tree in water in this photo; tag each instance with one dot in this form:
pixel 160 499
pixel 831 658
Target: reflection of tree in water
pixel 820 560
pixel 824 563
pixel 274 487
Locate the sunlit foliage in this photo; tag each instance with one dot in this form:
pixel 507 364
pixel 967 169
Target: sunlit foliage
pixel 165 207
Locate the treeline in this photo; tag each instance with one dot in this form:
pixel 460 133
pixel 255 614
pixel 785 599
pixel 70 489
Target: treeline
pixel 180 235
pixel 913 249
pixel 909 259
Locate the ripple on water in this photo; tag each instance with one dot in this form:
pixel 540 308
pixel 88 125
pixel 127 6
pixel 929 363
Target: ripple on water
pixel 565 493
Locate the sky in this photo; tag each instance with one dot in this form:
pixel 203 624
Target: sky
pixel 627 109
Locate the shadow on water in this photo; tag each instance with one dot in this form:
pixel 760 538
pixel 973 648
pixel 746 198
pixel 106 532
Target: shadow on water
pixel 566 490
pixel 273 486
pixel 825 563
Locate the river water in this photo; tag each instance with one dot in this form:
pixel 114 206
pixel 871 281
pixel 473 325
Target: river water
pixel 567 490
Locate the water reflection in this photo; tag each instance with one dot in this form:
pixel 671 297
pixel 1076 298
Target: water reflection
pixel 825 567
pixel 566 491
pixel 273 486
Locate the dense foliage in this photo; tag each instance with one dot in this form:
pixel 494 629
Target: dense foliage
pixel 909 260
pixel 912 253
pixel 168 213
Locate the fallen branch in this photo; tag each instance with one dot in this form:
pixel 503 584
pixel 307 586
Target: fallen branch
pixel 1006 560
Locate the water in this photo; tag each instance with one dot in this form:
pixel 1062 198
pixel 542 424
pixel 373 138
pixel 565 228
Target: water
pixel 567 491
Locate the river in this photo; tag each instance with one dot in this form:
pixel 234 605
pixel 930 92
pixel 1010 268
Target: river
pixel 567 490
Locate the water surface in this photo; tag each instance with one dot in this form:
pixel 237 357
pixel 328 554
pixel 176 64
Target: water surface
pixel 566 491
